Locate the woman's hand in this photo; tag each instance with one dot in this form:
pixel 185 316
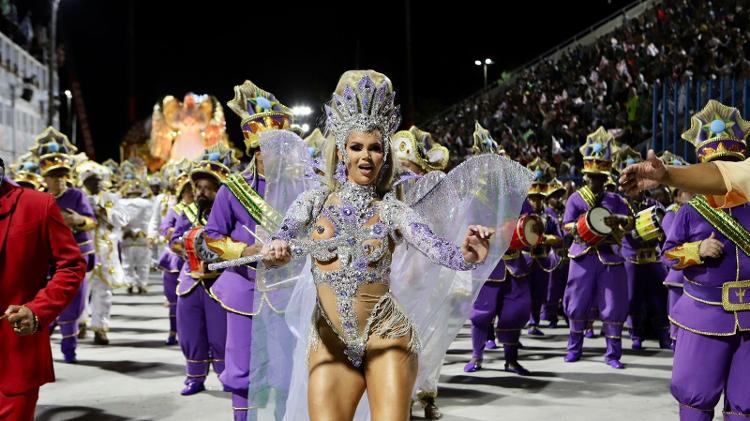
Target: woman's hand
pixel 476 246
pixel 252 250
pixel 276 253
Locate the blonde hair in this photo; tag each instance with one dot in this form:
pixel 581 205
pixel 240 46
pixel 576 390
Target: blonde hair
pixel 330 151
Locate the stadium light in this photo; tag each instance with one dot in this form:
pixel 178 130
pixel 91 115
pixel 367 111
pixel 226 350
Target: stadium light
pixel 484 64
pixel 301 110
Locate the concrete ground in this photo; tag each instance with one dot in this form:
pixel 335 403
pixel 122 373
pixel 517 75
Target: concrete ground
pixel 137 377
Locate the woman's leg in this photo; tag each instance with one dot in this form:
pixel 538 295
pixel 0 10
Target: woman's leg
pixel 335 387
pixel 390 371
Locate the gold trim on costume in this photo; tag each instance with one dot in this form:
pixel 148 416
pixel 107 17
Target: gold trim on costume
pixel 686 254
pixel 225 248
pixel 742 292
pixel 700 332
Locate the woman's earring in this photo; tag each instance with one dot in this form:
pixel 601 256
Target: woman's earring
pixel 340 175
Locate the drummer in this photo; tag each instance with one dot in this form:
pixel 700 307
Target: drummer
pixel 643 266
pixel 542 261
pixel 504 295
pixel 556 196
pixel 597 275
pixel 201 322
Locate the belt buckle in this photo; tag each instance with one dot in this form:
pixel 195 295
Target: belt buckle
pixel 735 296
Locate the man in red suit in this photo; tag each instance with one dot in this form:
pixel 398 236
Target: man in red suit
pixel 41 268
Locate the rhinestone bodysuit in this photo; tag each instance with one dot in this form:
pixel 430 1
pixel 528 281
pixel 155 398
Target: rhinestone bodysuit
pixel 367 227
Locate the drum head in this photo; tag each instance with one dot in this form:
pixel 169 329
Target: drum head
pixel 530 229
pixel 596 218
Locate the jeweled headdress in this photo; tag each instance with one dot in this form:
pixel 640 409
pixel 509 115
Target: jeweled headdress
pixel 26 171
pixel 626 156
pixel 363 107
pixel 718 132
pixel 598 152
pixel 418 146
pixel 54 151
pixel 543 173
pixel 483 142
pixel 259 111
pixel 216 162
pixel 671 159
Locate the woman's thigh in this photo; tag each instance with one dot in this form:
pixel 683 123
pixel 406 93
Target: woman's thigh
pixel 390 371
pixel 334 387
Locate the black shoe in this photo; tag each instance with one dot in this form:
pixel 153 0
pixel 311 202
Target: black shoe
pixel 131 290
pixel 516 368
pixel 431 410
pixel 82 331
pixel 100 338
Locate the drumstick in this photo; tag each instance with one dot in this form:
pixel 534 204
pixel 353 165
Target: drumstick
pixel 258 239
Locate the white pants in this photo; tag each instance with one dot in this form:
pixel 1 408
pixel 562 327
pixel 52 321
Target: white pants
pixel 429 387
pixel 101 304
pixel 136 262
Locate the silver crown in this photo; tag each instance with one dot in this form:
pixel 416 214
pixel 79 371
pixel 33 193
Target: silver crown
pixel 363 108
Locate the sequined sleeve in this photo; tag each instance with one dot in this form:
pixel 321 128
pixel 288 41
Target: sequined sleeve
pixel 299 215
pixel 415 231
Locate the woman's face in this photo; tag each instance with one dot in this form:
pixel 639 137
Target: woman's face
pixel 365 153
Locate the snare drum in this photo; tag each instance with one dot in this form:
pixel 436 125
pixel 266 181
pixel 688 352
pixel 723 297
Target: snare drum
pixel 648 224
pixel 191 240
pixel 591 227
pixel 527 232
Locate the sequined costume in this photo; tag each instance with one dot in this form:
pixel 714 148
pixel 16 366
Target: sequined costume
pixel 364 284
pixel 352 280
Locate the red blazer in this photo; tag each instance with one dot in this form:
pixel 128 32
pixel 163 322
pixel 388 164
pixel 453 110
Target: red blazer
pixel 33 239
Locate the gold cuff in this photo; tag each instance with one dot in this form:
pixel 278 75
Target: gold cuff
pixel 226 248
pixel 88 224
pixel 687 254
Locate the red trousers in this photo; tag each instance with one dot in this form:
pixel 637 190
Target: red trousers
pixel 18 407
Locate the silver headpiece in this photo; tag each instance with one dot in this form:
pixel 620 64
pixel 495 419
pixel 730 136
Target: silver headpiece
pixel 363 108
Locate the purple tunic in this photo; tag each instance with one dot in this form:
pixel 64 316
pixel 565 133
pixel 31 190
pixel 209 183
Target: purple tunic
pixel 559 276
pixel 712 351
pixel 674 276
pixel 234 288
pixel 596 278
pixel 542 260
pixel 703 283
pixel 576 206
pixel 186 282
pixel 169 261
pixel 75 200
pixel 645 274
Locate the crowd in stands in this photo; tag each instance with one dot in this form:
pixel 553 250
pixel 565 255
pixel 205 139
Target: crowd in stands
pixel 548 109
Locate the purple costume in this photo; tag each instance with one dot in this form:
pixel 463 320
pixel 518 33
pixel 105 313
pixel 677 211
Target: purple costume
pixel 75 200
pixel 543 261
pixel 596 279
pixel 226 234
pixel 505 295
pixel 712 353
pixel 674 278
pixel 559 276
pixel 201 322
pixel 170 264
pixel 645 273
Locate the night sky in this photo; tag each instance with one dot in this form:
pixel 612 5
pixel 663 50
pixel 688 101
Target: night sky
pixel 296 51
